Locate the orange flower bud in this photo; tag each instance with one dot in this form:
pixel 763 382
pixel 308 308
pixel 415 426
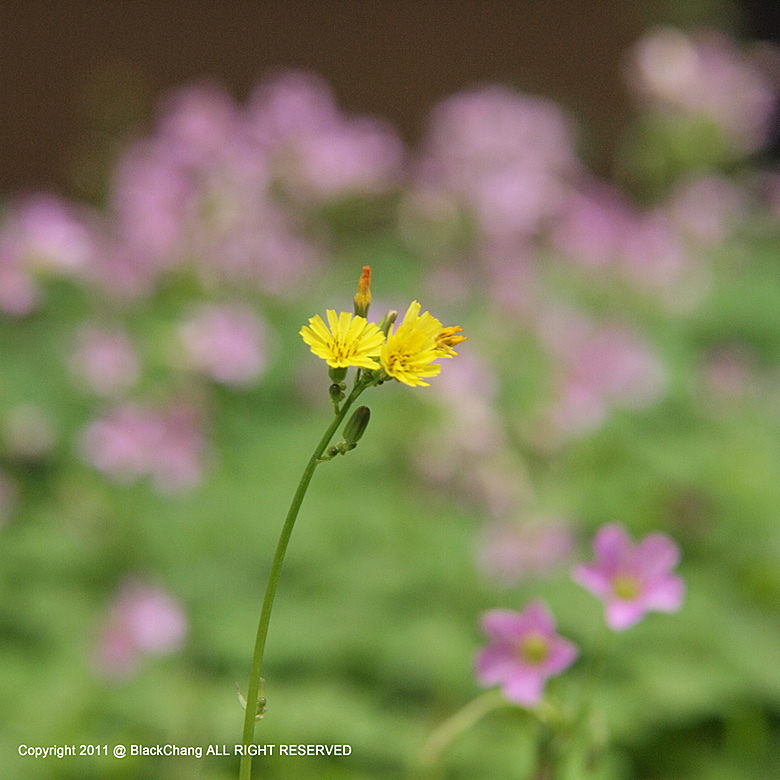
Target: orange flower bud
pixel 363 296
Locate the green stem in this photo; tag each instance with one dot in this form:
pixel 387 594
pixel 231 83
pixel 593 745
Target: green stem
pixel 585 733
pixel 273 578
pixel 457 724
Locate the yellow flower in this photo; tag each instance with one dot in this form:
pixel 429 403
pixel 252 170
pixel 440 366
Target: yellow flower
pixel 346 342
pixel 447 339
pixel 409 353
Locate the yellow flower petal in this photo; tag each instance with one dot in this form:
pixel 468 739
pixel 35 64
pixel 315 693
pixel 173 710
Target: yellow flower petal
pixel 346 341
pixel 409 353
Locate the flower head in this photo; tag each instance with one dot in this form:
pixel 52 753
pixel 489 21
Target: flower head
pixel 524 651
pixel 409 352
pixel 345 341
pixel 632 579
pixel 363 295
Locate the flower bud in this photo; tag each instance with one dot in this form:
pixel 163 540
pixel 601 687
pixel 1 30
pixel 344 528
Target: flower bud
pixel 357 425
pixel 336 392
pixel 363 295
pixel 387 321
pixel 337 374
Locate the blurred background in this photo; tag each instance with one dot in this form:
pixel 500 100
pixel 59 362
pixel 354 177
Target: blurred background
pixel 590 190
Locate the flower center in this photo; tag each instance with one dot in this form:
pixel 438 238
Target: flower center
pixel 533 649
pixel 342 348
pixel 625 587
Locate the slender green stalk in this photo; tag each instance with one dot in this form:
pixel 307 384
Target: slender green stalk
pixel 457 724
pixel 273 578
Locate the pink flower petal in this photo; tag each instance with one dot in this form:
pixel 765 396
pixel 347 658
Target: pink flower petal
pixel 562 654
pixel 624 614
pixel 612 546
pixel 495 664
pixel 592 578
pixel 503 625
pixel 536 618
pixel 665 595
pixel 656 555
pixel 525 688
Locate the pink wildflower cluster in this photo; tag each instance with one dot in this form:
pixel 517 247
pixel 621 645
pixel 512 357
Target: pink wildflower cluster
pixel 225 343
pixel 495 166
pixel 657 249
pixel 229 195
pixel 705 209
pixel 705 75
pixel 136 441
pixel 221 188
pixel 316 152
pixel 497 184
pixel 222 185
pixel 593 225
pixel 143 620
pixel 602 231
pixel 505 155
pixel 468 454
pixel 600 366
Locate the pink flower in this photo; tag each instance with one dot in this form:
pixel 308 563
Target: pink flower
pixel 144 619
pixel 524 651
pixel 151 198
pixel 117 444
pixel 225 343
pixel 317 152
pixel 511 276
pixel 506 156
pixel 53 234
pixel 199 121
pixel 135 441
pixel 705 75
pixel 632 579
pixel 354 156
pixel 290 104
pixel 105 361
pixel 593 225
pixel 41 234
pixel 601 366
pixel 177 450
pixel 653 255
